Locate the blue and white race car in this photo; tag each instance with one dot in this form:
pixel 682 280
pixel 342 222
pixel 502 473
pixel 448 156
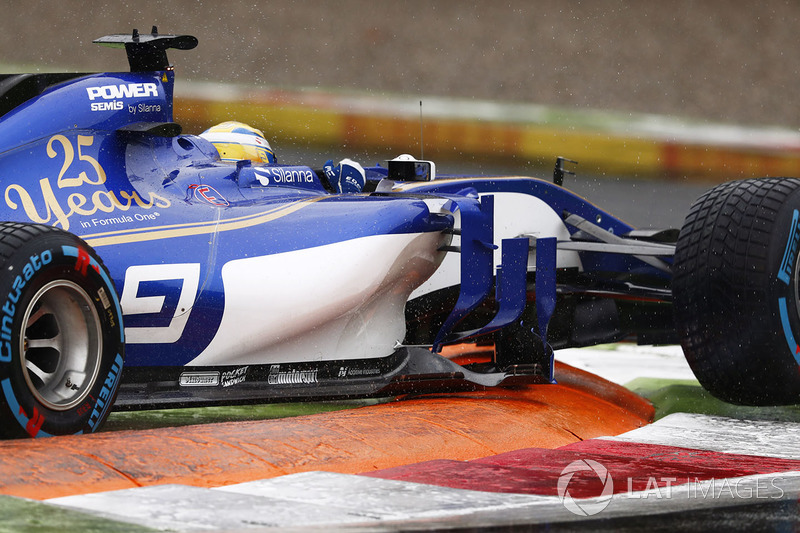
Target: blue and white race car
pixel 141 268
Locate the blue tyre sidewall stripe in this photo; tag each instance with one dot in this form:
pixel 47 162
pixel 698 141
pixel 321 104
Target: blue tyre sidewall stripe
pixel 786 271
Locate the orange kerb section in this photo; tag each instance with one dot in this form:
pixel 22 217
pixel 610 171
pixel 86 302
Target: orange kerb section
pixel 458 426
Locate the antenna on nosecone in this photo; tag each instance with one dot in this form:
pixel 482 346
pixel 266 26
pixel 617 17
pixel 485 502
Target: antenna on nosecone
pixel 421 144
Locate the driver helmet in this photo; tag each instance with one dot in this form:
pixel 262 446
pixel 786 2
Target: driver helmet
pixel 236 141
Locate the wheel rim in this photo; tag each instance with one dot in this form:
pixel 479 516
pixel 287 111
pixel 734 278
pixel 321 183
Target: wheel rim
pixel 61 346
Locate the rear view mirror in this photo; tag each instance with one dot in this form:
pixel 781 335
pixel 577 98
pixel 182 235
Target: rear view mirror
pixel 406 168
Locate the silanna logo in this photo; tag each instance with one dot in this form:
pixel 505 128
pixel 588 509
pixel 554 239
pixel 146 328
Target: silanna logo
pixel 112 95
pixel 280 175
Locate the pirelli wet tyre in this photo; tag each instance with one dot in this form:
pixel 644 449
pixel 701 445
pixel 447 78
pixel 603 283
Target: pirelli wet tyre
pixel 735 286
pixel 61 336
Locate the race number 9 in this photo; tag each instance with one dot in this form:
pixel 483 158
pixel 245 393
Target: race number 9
pixel 133 304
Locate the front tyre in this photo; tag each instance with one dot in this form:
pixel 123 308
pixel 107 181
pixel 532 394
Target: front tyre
pixel 61 336
pixel 736 289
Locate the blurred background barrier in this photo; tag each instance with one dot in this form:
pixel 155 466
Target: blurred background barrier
pixel 591 81
pixel 604 143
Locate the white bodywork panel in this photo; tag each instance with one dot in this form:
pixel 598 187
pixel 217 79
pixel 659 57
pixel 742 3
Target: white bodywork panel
pixel 340 301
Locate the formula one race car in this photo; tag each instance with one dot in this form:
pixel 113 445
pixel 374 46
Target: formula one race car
pixel 238 279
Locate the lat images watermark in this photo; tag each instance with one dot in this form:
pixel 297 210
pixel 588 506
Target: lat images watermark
pixel 585 507
pixel 593 487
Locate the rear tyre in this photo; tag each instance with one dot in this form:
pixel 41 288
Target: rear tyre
pixel 61 337
pixel 735 286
